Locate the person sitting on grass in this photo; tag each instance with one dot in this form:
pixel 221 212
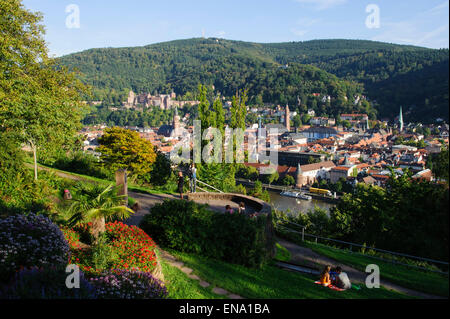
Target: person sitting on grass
pixel 325 276
pixel 342 281
pixel 228 209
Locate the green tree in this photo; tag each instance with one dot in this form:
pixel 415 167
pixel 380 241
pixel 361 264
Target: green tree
pixel 219 115
pixel 386 217
pixel 288 180
pixel 440 165
pixel 161 170
pixel 305 118
pixel 270 178
pixel 124 149
pixel 39 100
pixel 204 113
pixel 238 110
pixel 346 124
pixel 297 121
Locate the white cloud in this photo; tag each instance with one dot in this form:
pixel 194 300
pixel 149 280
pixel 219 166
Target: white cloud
pixel 299 33
pixel 220 34
pixel 429 28
pixel 322 4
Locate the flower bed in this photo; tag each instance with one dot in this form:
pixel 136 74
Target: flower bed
pixel 133 248
pixel 49 283
pixel 30 241
pixel 128 284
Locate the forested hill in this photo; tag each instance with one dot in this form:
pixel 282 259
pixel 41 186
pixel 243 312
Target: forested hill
pixel 336 67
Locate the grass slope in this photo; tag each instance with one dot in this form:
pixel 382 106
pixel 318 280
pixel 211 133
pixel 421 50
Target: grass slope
pixel 425 281
pixel 180 286
pixel 271 282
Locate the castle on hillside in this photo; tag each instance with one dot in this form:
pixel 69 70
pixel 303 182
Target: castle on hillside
pixel 164 101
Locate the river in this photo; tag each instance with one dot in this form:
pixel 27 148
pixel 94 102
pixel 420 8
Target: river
pixel 294 206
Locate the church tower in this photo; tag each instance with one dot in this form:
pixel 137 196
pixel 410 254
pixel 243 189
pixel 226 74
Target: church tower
pixel 176 120
pixel 286 118
pixel 400 120
pixel 300 178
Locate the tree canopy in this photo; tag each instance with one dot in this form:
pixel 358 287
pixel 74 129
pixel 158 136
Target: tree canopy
pixel 125 149
pixel 39 100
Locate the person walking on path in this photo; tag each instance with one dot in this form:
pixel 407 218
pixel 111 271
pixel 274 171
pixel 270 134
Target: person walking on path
pixel 193 178
pixel 180 183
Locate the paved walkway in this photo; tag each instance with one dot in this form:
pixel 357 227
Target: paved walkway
pixel 306 256
pixel 145 200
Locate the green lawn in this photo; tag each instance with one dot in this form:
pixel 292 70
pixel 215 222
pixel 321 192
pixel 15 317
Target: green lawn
pixel 180 286
pixel 425 281
pixel 271 282
pixel 131 186
pixel 282 254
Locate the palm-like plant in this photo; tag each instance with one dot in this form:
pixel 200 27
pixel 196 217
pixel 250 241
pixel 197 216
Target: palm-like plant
pixel 96 204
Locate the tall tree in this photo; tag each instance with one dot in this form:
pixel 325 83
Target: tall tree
pixel 38 99
pixel 121 148
pixel 219 115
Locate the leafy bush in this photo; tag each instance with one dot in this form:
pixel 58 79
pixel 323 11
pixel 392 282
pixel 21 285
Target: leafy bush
pixel 128 284
pixel 18 190
pixel 47 283
pixel 104 256
pixel 30 240
pixel 189 227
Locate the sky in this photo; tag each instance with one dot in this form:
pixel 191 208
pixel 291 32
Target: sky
pixel 124 23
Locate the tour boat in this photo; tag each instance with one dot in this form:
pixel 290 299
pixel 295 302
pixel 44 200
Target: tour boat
pixel 295 195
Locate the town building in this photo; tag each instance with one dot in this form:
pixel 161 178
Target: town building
pixel 338 172
pixel 319 132
pixel 164 101
pixel 311 173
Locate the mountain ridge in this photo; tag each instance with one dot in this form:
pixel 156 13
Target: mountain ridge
pixel 231 65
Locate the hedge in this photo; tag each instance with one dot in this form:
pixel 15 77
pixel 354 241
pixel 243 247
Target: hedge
pixel 192 228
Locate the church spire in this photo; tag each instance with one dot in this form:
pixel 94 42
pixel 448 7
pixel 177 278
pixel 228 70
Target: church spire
pixel 287 118
pixel 400 119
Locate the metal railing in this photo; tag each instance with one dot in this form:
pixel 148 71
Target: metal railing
pixel 351 245
pixel 203 183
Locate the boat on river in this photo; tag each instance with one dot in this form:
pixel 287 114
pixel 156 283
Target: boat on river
pixel 295 195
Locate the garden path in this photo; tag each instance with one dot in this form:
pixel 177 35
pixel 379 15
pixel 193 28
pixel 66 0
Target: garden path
pixel 147 201
pixel 301 255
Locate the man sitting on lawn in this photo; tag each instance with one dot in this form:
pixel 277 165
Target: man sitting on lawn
pixel 341 279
